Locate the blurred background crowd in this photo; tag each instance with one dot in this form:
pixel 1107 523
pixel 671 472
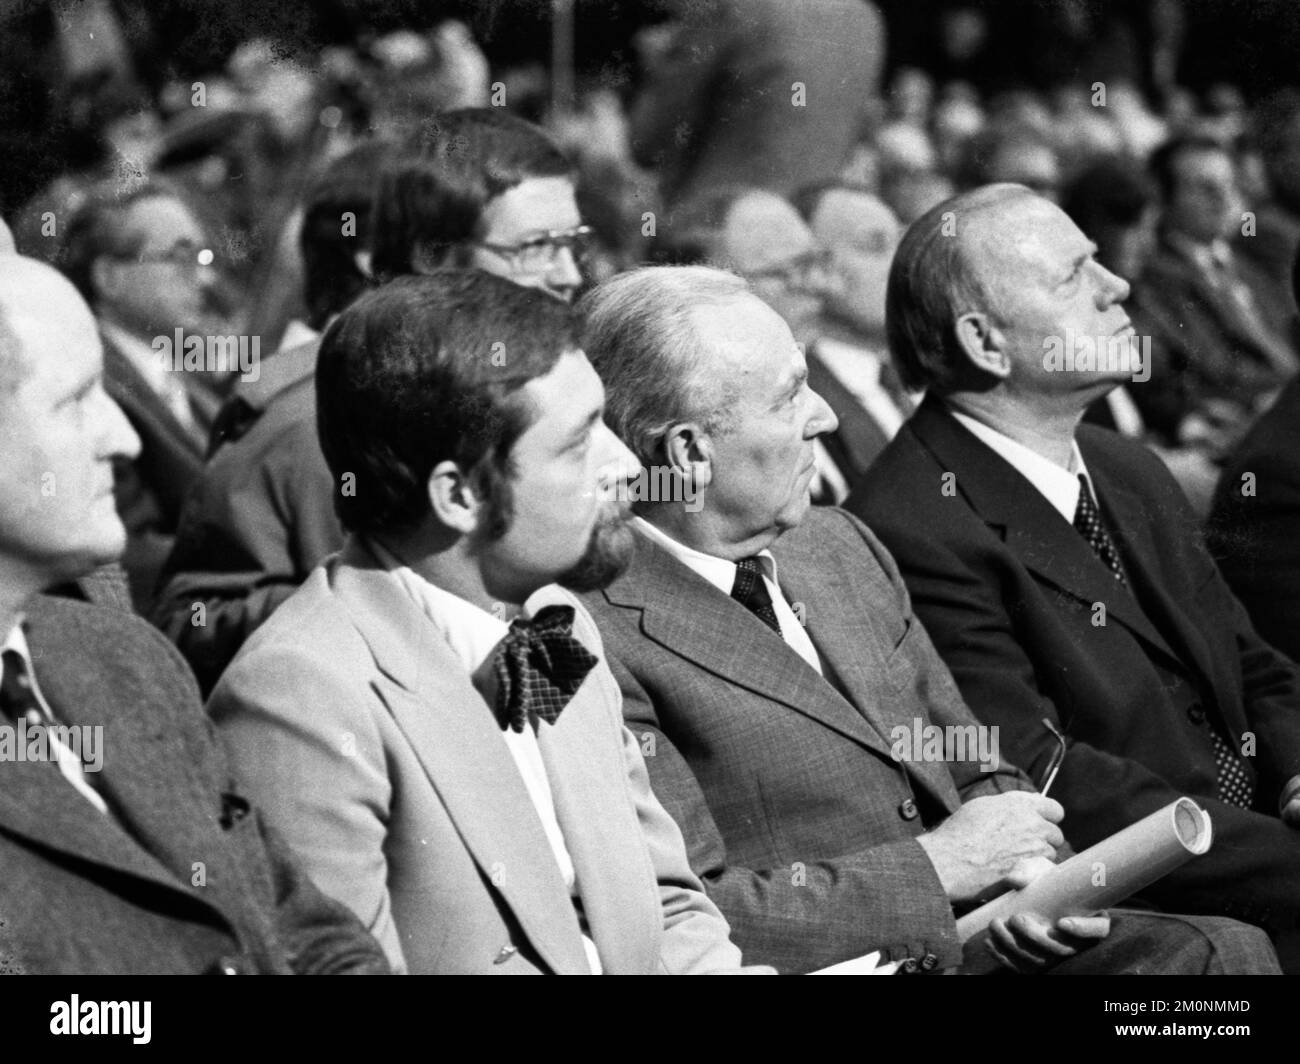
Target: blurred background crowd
pixel 1165 128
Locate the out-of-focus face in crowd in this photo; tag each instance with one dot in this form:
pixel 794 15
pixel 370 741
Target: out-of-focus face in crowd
pixel 164 283
pixel 763 458
pixel 862 235
pixel 59 431
pixel 533 236
pixel 766 242
pixel 1204 203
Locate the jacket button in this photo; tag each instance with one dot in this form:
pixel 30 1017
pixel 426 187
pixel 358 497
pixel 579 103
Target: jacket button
pixel 907 810
pixel 929 962
pixel 909 966
pixel 1196 713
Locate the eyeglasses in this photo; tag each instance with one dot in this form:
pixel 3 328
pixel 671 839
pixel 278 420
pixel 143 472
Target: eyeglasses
pixel 183 256
pixel 802 271
pixel 1058 756
pixel 538 253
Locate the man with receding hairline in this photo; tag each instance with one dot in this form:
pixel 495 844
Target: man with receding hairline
pixel 768 656
pixel 1058 567
pixel 146 859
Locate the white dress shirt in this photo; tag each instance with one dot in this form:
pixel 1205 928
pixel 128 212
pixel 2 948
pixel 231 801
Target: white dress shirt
pixel 474 635
pixel 1057 485
pixel 69 763
pixel 722 574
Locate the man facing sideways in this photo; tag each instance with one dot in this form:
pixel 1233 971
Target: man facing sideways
pixel 428 718
pixel 1059 569
pixel 125 845
pixel 773 670
pixel 478 188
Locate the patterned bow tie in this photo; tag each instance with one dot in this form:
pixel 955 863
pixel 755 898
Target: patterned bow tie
pixel 538 667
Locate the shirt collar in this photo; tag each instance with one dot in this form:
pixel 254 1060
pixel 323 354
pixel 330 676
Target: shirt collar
pixel 717 571
pixel 1217 254
pixel 1058 486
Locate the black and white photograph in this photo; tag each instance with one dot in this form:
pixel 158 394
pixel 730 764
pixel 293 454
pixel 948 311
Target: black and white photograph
pixel 630 487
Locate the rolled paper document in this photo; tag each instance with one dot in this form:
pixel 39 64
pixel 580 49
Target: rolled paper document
pixel 1107 873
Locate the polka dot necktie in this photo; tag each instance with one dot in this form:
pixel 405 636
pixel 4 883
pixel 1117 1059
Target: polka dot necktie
pixel 750 591
pixel 538 667
pixel 1234 784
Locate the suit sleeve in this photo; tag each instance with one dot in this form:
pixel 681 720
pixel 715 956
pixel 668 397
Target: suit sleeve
pixel 252 531
pixel 811 914
pixel 314 763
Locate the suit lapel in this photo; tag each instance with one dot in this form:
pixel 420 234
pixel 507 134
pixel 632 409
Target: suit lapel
pixel 157 827
pixel 686 614
pixel 1130 524
pixel 1033 530
pixel 132 392
pixel 458 743
pixel 851 647
pixel 606 846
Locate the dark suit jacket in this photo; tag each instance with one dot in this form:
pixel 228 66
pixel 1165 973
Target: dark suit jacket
pixel 1203 346
pixel 720 110
pixel 149 490
pixel 1009 591
pixel 184 878
pixel 1255 523
pixel 259 518
pixel 797 817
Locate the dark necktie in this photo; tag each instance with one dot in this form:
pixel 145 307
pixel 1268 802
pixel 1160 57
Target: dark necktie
pixel 751 592
pixel 1233 781
pixel 1088 523
pixel 538 667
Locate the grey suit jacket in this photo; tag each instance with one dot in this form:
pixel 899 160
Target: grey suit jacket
pixel 350 717
pixel 797 817
pixel 183 877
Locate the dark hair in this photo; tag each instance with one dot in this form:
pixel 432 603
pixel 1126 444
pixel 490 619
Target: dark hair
pixel 1163 158
pixel 932 282
pixel 428 369
pixel 98 227
pixel 331 279
pixel 432 198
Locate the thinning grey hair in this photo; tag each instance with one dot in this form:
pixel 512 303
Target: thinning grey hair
pixel 638 335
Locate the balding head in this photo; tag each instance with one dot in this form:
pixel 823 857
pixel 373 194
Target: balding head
pixel 941 271
pixel 33 297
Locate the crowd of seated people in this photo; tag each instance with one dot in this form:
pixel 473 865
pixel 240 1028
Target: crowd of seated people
pixel 545 589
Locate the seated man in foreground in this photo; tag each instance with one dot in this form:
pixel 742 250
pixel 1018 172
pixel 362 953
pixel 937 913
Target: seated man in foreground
pixel 125 847
pixel 770 664
pixel 428 718
pixel 1059 569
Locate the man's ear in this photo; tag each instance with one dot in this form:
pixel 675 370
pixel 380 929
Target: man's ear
pixel 689 452
pixel 453 499
pixel 984 344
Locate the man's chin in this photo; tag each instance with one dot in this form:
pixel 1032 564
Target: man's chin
pixel 607 555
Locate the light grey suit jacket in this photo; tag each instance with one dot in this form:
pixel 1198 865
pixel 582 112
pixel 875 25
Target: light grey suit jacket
pixel 352 721
pixel 797 816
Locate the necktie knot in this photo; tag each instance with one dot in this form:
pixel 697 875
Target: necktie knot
pixel 538 667
pixel 750 590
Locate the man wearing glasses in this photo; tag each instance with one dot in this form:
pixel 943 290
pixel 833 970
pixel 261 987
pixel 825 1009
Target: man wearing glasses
pixel 481 189
pixel 142 263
